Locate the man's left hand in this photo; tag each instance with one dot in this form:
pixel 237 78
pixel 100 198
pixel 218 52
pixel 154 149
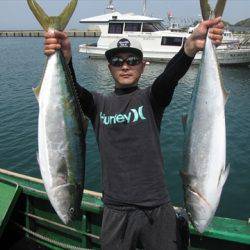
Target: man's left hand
pixel 196 41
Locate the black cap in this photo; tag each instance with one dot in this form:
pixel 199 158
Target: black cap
pixel 124 45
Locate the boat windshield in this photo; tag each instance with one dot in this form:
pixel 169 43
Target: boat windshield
pixel 227 34
pixel 115 28
pixel 172 41
pixel 152 27
pixel 132 27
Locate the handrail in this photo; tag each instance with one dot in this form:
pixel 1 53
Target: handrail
pixel 38 180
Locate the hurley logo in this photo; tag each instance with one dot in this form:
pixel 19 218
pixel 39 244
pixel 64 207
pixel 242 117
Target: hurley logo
pixel 132 116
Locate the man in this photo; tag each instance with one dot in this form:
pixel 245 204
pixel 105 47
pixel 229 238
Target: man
pixel 127 126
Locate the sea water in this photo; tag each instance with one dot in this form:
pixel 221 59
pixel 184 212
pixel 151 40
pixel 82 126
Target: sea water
pixel 21 68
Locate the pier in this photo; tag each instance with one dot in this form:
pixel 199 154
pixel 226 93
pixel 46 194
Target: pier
pixel 40 33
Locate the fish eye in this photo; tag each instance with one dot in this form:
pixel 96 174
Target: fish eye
pixel 71 210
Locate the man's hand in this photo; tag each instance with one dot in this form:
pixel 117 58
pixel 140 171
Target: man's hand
pixel 196 41
pixel 57 40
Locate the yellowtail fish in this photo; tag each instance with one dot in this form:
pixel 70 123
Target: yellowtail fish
pixel 205 170
pixel 61 125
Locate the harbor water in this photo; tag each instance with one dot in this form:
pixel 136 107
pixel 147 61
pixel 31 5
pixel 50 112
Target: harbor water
pixel 21 68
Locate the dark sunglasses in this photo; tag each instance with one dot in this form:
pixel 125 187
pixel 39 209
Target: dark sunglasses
pixel 117 61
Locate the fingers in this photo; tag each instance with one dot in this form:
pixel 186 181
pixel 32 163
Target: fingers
pixel 50 46
pixel 216 39
pixel 216 27
pixel 55 34
pixel 220 25
pixel 212 22
pixel 53 41
pixel 216 35
pixel 216 31
pixel 216 42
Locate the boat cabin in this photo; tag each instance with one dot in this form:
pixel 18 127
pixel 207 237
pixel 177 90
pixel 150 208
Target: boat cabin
pixel 144 27
pixel 150 31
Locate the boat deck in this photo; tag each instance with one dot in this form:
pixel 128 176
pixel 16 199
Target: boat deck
pixel 31 219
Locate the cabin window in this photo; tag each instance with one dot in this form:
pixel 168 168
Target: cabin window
pixel 151 27
pixel 115 28
pixel 132 27
pixel 148 27
pixel 171 41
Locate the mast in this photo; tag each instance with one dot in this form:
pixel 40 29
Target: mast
pixel 110 6
pixel 144 7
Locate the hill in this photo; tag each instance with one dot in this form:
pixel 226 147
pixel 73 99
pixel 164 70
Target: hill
pixel 226 23
pixel 244 23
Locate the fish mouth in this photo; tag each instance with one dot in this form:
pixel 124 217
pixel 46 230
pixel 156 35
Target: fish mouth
pixel 200 211
pixel 64 201
pixel 64 218
pixel 199 195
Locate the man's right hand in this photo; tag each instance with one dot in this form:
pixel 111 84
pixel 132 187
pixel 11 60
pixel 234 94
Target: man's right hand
pixel 57 40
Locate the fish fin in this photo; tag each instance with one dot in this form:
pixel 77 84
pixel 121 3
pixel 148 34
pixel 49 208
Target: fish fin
pixel 223 176
pixel 36 91
pixel 225 95
pixel 57 22
pixel 67 13
pixel 219 8
pixel 39 13
pixel 205 9
pixel 184 121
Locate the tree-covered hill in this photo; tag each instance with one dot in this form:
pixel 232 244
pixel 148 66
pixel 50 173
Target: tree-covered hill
pixel 244 23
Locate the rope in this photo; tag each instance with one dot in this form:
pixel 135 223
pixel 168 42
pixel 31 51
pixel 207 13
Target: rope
pixel 57 224
pixel 44 238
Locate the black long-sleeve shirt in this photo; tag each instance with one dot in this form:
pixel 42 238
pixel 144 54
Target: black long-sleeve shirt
pixel 127 126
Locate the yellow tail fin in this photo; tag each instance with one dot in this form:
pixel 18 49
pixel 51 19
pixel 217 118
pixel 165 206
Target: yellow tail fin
pixel 55 22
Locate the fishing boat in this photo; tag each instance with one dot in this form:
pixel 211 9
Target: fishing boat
pixel 159 43
pixel 28 221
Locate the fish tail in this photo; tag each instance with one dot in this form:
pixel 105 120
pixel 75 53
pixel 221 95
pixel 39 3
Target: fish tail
pixel 55 22
pixel 219 8
pixel 206 9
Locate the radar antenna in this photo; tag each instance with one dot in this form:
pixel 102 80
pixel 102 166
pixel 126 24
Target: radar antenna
pixel 110 6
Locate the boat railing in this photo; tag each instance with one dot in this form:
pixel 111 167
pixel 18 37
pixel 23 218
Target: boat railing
pixel 245 43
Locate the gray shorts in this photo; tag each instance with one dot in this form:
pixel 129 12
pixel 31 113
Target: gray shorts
pixel 126 228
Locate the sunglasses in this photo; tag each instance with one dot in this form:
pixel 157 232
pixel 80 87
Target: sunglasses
pixel 117 61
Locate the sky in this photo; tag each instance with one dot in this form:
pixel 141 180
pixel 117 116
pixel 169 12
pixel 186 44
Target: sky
pixel 15 14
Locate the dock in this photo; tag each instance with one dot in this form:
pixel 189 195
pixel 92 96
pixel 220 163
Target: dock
pixel 40 33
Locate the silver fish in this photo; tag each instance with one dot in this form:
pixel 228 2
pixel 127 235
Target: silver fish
pixel 61 125
pixel 205 170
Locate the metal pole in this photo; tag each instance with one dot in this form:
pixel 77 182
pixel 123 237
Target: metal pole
pixel 144 7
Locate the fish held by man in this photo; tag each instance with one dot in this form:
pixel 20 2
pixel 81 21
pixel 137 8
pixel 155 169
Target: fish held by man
pixel 205 170
pixel 61 125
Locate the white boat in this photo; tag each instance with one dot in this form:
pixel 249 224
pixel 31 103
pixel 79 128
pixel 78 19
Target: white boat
pixel 229 39
pixel 159 44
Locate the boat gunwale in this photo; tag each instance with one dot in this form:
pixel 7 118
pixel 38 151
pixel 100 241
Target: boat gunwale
pixel 92 203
